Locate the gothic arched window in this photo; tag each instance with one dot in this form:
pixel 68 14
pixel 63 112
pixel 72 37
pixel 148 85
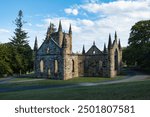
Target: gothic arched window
pixel 56 66
pixel 100 64
pixel 42 66
pixel 47 50
pixel 94 52
pixel 49 72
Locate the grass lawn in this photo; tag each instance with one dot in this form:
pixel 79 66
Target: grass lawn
pixel 17 82
pixel 132 90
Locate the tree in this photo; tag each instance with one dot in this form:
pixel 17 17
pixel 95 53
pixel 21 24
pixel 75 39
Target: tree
pixel 20 37
pixel 128 56
pixel 139 44
pixel 53 27
pixel 22 52
pixel 5 58
pixel 140 34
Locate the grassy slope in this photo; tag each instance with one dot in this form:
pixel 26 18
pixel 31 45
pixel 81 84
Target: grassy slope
pixel 134 90
pixel 53 82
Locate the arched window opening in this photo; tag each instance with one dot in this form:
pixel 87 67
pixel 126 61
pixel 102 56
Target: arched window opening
pixel 42 66
pixel 49 72
pixel 94 52
pixel 56 66
pixel 47 50
pixel 72 65
pixel 100 64
pixel 116 60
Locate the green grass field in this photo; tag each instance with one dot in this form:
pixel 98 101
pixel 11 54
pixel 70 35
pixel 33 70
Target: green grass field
pixel 134 90
pixel 47 82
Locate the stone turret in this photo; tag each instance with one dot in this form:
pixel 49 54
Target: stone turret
pixel 70 35
pixel 105 51
pixel 111 55
pixel 60 27
pixel 35 54
pixel 83 50
pixel 109 42
pixel 115 36
pixel 70 30
pixel 93 43
pixel 67 60
pixel 120 56
pixel 35 45
pixel 64 43
pixel 60 34
pixel 105 62
pixel 114 57
pixel 119 45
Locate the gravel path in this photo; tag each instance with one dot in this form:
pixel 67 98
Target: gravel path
pixel 126 79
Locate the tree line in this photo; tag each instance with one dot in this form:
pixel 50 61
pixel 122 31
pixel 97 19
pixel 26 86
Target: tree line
pixel 16 56
pixel 137 53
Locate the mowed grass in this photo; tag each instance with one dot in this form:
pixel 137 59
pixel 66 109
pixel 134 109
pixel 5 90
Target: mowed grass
pixel 128 91
pixel 24 82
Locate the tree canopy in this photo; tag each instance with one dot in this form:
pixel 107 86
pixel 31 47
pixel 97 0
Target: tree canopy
pixel 16 56
pixel 138 50
pixel 20 37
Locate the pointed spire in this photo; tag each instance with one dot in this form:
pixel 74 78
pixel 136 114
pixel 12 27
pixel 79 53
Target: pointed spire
pixel 83 50
pixel 105 48
pixel 60 26
pixel 119 44
pixel 35 44
pixel 109 42
pixel 50 26
pixel 64 43
pixel 70 30
pixel 115 36
pixel 93 43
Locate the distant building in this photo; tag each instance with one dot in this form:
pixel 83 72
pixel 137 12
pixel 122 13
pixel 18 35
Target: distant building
pixel 55 59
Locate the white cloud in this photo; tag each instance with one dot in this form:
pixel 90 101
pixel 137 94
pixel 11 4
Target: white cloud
pixel 119 15
pixel 4 35
pixel 113 16
pixel 71 11
pixel 87 22
pixel 4 31
pixel 117 7
pixel 65 23
pixel 40 25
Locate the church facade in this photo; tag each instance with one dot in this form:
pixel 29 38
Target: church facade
pixel 54 59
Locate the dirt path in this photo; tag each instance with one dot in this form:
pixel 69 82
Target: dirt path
pixel 126 79
pixel 12 80
pixel 5 80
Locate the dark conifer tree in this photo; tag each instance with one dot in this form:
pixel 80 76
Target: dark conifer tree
pixel 22 51
pixel 20 38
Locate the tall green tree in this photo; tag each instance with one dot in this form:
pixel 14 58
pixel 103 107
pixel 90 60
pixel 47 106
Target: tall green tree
pixel 139 45
pixel 20 36
pixel 5 58
pixel 22 52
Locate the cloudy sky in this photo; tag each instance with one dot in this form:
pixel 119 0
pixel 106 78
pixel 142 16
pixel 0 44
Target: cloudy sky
pixel 92 20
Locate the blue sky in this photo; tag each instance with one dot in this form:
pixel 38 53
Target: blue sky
pixel 92 20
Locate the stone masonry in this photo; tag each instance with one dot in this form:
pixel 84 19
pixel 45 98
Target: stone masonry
pixel 54 59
